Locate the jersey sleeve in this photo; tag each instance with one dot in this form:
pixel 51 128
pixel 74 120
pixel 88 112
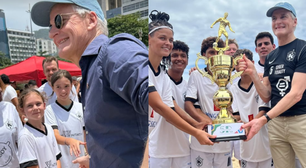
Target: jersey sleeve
pixel 11 93
pixel 57 151
pixel 26 151
pixel 17 121
pixel 192 91
pixel 262 106
pixel 232 89
pixel 151 84
pixel 50 117
pixel 301 63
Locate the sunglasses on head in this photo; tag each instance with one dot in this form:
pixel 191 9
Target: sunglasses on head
pixel 59 21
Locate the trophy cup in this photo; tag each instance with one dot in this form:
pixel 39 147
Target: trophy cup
pixel 221 67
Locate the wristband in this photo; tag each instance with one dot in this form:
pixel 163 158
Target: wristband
pixel 267 117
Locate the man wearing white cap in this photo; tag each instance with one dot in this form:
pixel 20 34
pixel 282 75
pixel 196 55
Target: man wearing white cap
pixel 284 84
pixel 114 79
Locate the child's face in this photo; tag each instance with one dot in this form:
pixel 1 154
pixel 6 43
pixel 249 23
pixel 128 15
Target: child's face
pixel 62 88
pixel 33 107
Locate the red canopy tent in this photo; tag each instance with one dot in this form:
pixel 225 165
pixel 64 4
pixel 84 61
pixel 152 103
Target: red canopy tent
pixel 31 68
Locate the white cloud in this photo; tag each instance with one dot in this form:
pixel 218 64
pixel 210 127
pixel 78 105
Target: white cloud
pixel 192 19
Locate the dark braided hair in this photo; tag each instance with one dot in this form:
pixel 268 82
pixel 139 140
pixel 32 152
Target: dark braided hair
pixel 160 19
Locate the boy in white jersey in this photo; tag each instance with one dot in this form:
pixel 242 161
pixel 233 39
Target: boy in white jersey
pixel 256 152
pixel 201 90
pixel 264 43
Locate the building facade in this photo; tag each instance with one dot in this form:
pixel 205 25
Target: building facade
pixel 133 6
pixel 112 8
pixel 22 45
pixel 4 47
pixel 45 47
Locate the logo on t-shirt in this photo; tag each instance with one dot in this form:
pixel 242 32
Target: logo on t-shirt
pixel 199 161
pixel 9 124
pixel 290 55
pixel 49 164
pixel 282 85
pixel 5 154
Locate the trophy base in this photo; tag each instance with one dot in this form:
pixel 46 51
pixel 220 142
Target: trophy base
pixel 227 132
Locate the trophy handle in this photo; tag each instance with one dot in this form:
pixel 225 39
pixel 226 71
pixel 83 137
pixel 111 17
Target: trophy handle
pixel 202 72
pixel 237 74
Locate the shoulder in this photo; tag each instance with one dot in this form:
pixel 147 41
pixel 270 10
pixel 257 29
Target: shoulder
pixel 42 87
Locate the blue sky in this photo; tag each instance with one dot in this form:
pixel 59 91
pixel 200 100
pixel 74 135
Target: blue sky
pixel 192 20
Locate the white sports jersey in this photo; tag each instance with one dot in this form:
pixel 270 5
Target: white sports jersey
pixel 10 127
pixel 159 82
pixel 165 139
pixel 248 102
pixel 51 99
pixel 70 124
pixel 259 67
pixel 38 148
pixel 201 89
pixel 9 93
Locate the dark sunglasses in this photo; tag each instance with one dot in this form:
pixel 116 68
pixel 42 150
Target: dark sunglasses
pixel 59 21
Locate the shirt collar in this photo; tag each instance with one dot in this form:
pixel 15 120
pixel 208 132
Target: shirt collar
pixel 94 47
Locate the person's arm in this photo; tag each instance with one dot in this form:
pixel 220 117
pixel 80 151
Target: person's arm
pixel 298 87
pixel 215 22
pixel 263 88
pixel 157 104
pixel 196 113
pixel 185 116
pixel 83 161
pixel 73 144
pixel 58 162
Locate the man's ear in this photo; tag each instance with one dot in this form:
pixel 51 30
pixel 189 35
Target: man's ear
pixel 92 20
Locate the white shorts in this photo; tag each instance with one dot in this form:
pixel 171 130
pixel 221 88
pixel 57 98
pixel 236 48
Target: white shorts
pixel 174 162
pixel 211 160
pixel 263 164
pixel 235 146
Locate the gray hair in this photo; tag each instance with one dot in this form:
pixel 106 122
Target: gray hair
pixel 101 25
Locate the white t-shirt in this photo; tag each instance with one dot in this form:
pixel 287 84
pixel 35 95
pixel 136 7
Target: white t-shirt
pixel 248 103
pixel 51 99
pixel 37 147
pixel 165 140
pixel 10 127
pixel 202 90
pixel 9 94
pixel 70 124
pixel 259 67
pixel 159 82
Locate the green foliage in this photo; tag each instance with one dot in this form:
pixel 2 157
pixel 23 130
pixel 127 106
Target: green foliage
pixel 131 24
pixel 4 61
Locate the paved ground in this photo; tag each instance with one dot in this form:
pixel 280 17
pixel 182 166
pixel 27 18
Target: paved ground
pixel 235 163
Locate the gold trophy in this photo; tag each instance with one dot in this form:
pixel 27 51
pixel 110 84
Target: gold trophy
pixel 221 67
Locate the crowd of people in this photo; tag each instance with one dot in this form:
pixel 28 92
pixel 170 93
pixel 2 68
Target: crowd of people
pixel 136 109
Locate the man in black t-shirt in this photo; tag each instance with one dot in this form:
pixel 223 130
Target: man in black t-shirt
pixel 284 84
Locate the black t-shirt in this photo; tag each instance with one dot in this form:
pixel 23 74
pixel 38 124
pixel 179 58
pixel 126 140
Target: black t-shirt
pixel 280 66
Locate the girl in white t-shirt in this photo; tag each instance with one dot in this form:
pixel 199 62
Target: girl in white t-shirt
pixel 10 127
pixel 162 119
pixel 37 144
pixel 66 118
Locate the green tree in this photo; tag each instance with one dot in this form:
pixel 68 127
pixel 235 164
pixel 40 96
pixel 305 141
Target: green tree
pixel 4 61
pixel 132 24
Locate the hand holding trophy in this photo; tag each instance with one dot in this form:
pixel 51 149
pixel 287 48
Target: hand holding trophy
pixel 221 67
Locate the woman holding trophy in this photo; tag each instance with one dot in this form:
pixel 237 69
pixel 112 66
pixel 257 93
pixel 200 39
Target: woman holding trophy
pixel 165 116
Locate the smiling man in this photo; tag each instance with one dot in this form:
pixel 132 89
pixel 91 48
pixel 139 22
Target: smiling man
pixel 284 84
pixel 114 82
